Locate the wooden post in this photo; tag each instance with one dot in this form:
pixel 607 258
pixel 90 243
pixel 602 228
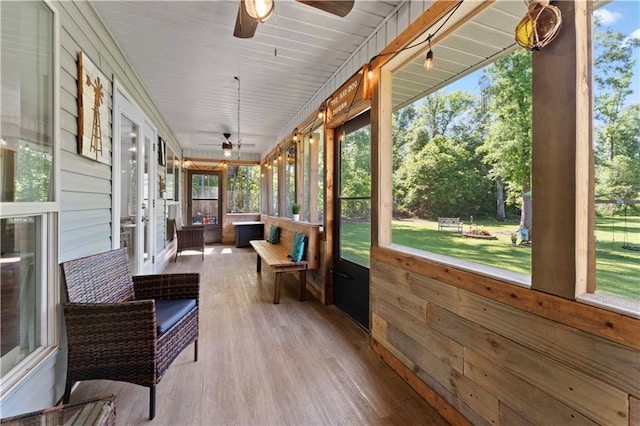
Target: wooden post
pixel 381 155
pixel 329 214
pixel 563 206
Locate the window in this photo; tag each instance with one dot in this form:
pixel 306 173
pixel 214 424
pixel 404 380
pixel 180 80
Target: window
pixel 617 148
pixel 290 177
pixel 27 103
pixel 243 189
pixel 316 181
pixel 28 198
pixel 205 198
pixel 355 191
pixel 21 289
pixel 461 160
pixel 306 178
pixel 172 178
pixel 274 187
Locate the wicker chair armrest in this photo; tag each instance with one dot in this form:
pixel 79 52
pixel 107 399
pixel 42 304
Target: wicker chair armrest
pixel 104 323
pixel 167 286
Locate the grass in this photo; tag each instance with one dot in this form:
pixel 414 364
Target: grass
pixel 617 269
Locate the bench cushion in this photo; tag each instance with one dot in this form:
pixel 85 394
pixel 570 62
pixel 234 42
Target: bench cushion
pixel 169 312
pixel 297 247
pixel 274 234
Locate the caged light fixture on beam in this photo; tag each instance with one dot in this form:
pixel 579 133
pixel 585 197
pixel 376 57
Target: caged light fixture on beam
pixel 291 155
pixel 540 25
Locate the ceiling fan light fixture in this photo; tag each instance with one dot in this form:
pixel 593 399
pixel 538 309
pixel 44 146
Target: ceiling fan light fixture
pixel 227 148
pixel 260 10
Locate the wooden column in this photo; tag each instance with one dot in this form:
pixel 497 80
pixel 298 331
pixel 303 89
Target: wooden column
pixel 329 214
pixel 563 213
pixel 381 158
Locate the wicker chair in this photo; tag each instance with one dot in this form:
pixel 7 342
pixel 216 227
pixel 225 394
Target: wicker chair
pixel 126 328
pixel 189 238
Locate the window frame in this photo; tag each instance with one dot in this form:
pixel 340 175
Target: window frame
pixel 48 244
pixel 581 172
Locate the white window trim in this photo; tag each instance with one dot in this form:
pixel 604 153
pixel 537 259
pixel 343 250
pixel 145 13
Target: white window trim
pixel 48 246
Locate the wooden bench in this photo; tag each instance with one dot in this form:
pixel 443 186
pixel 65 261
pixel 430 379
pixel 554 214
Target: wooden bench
pixel 276 255
pixel 450 222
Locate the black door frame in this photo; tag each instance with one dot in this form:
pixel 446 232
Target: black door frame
pixel 351 288
pixel 213 231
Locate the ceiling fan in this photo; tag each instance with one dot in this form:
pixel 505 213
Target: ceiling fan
pixel 227 145
pixel 250 12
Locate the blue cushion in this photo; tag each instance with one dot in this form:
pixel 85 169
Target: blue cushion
pixel 169 312
pixel 274 234
pixel 297 247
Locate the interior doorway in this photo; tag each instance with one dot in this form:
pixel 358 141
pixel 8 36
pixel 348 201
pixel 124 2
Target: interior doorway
pixel 134 161
pixel 204 203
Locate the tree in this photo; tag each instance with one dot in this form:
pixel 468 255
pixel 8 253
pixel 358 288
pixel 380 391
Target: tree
pixel 355 172
pixel 441 180
pixel 613 71
pixel 617 124
pixel 439 116
pixel 507 145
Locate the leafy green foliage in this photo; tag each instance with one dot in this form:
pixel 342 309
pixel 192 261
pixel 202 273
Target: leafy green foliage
pixel 617 126
pixel 507 145
pixel 243 189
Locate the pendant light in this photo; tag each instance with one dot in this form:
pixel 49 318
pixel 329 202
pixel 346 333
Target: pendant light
pixel 260 10
pixel 428 61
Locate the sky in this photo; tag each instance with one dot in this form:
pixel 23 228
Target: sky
pixel 619 15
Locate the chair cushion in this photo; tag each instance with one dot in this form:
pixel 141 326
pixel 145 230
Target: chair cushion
pixel 169 312
pixel 297 247
pixel 274 234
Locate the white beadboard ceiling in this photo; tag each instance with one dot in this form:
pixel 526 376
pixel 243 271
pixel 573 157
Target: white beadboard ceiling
pixel 187 57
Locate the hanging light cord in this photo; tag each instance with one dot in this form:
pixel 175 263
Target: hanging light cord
pixel 427 40
pixel 239 143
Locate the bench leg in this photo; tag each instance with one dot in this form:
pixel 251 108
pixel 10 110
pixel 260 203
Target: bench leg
pixel 276 289
pixel 259 264
pixel 302 289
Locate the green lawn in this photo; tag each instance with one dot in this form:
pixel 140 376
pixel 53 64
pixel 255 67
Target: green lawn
pixel 617 269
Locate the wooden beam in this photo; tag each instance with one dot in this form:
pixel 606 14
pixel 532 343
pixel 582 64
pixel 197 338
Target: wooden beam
pixel 437 11
pixel 381 158
pixel 220 161
pixel 563 207
pixel 329 214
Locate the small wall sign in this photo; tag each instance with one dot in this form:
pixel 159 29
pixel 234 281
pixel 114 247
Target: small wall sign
pixel 94 132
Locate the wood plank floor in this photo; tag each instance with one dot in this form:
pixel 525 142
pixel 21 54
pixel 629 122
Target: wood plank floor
pixel 296 363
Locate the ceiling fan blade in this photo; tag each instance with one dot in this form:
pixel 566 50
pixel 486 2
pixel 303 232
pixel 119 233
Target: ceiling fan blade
pixel 245 145
pixel 245 25
pixel 339 7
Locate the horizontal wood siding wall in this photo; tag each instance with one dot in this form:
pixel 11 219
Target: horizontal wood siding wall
pixel 493 360
pixel 86 193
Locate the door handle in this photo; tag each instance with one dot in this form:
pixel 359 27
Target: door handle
pixel 341 274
